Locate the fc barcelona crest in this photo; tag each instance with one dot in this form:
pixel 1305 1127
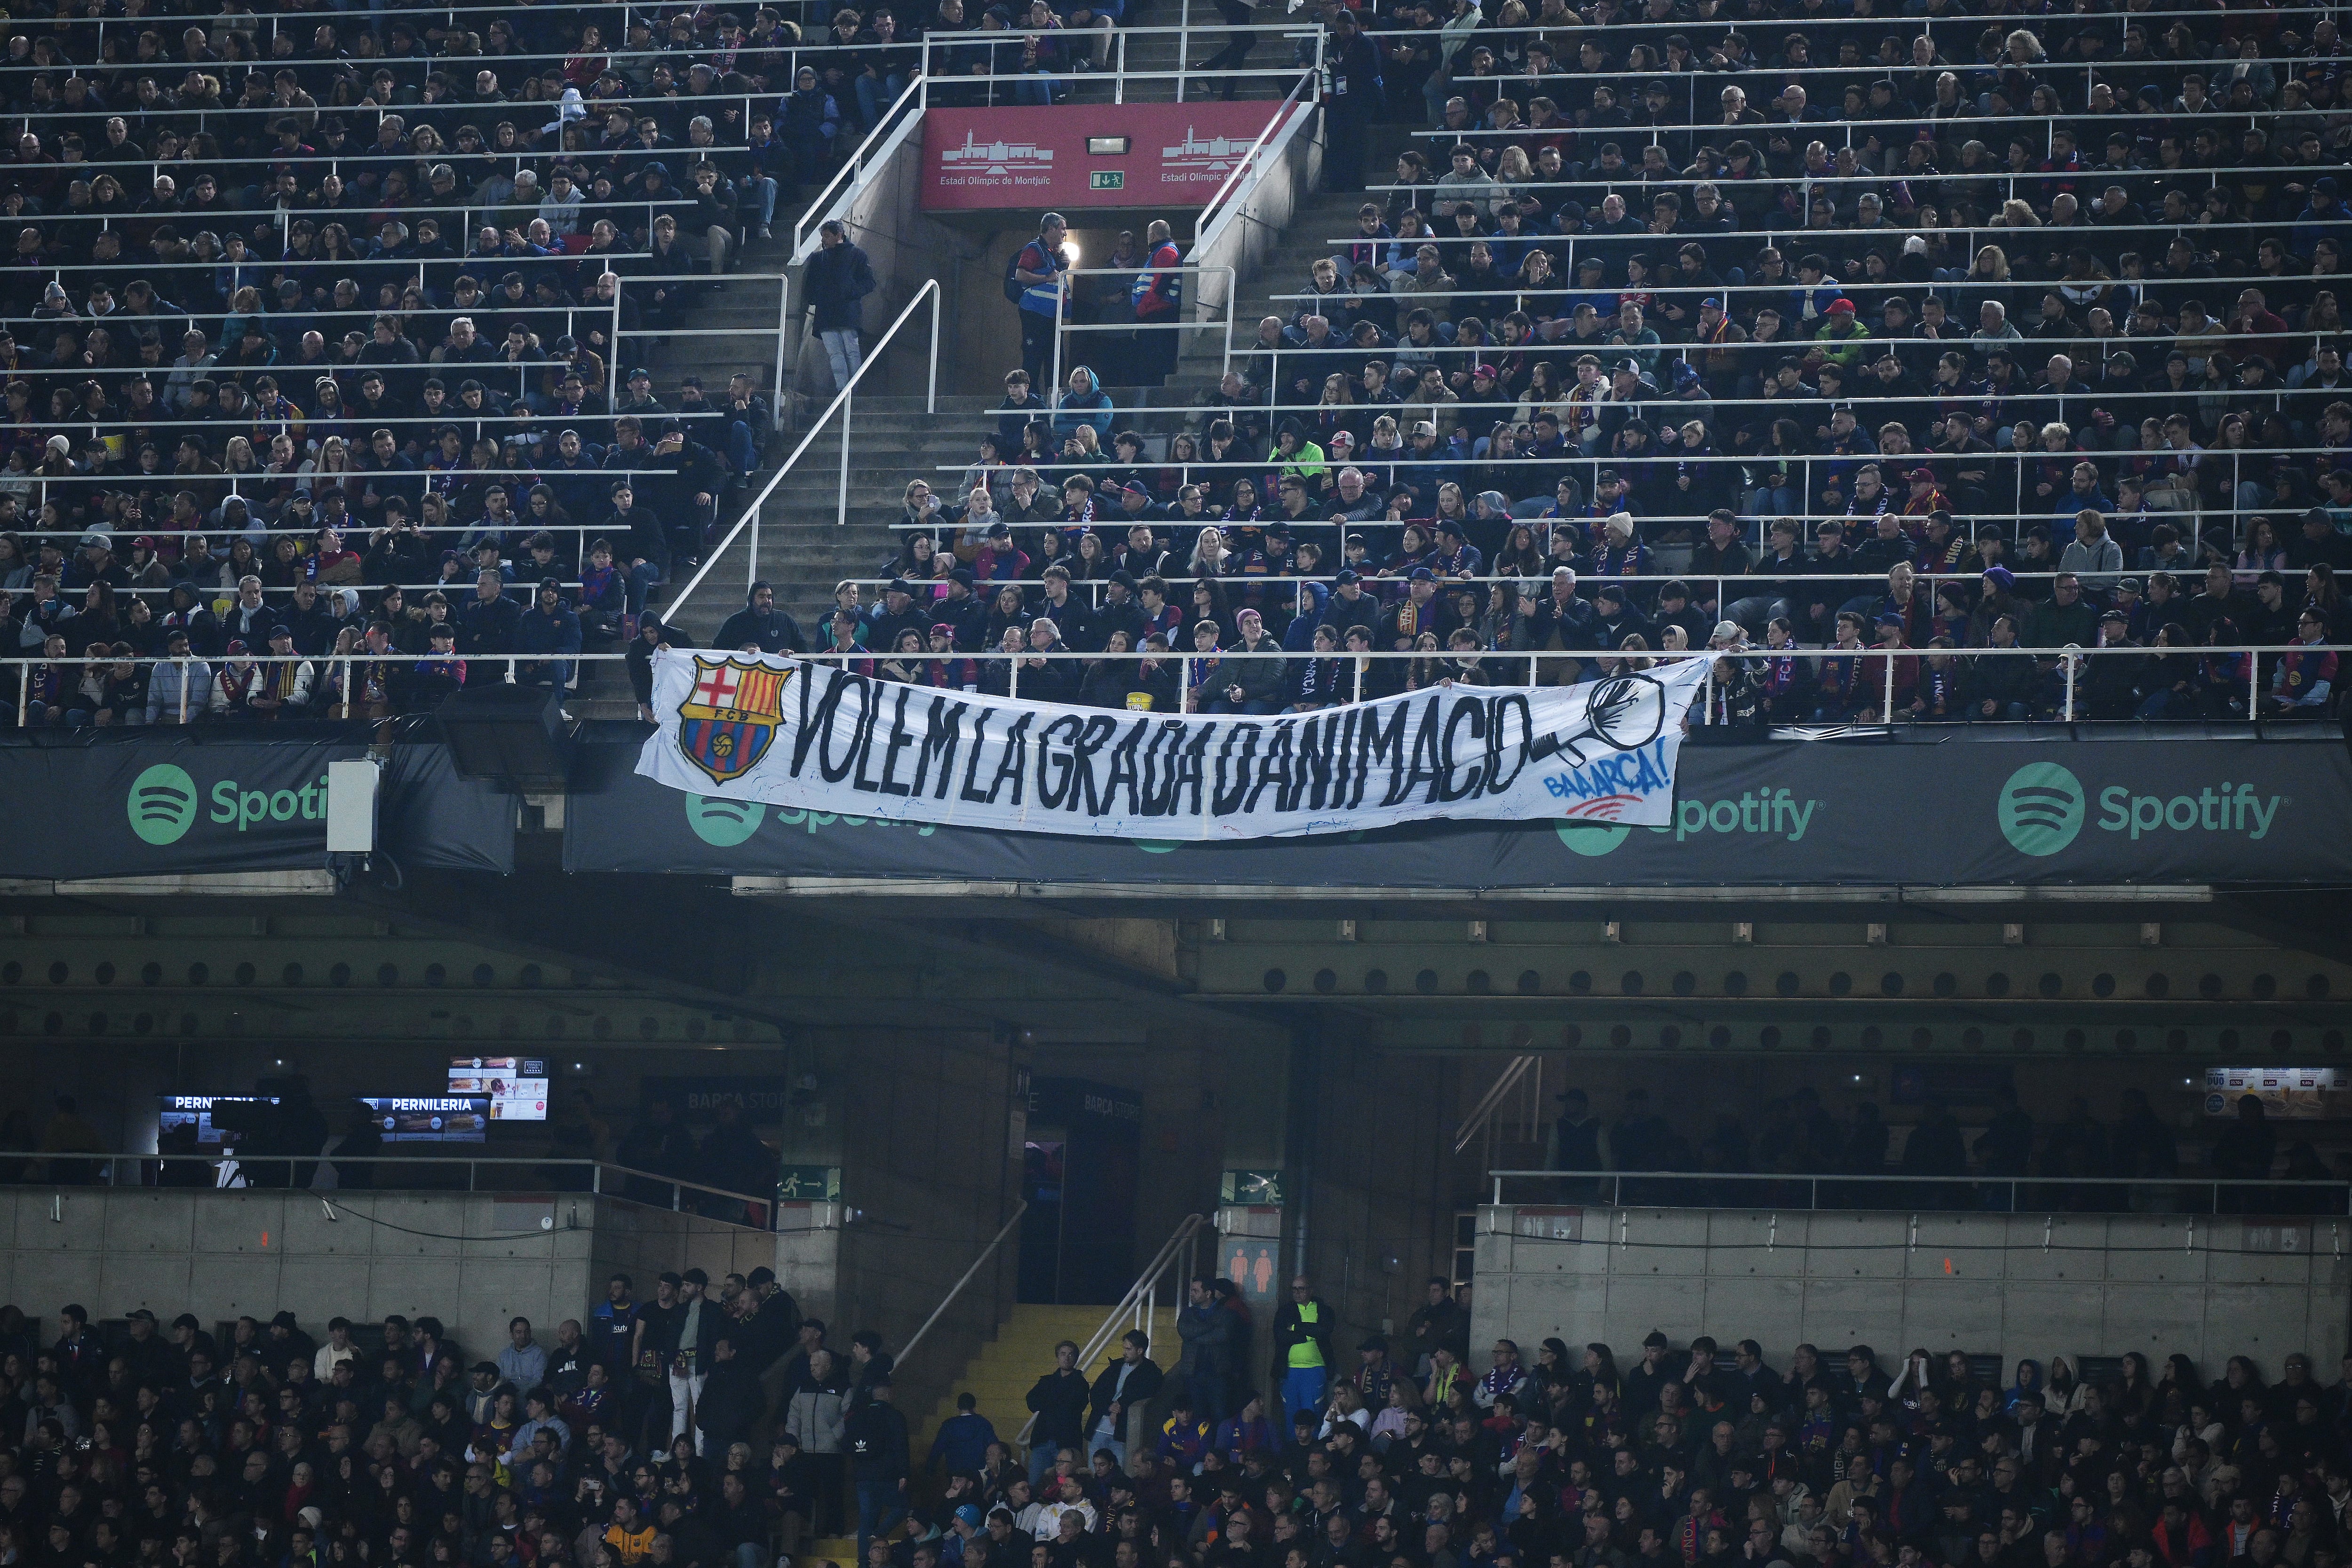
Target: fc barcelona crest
pixel 726 726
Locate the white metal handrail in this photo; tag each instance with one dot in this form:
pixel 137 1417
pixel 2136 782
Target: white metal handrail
pixel 965 1279
pixel 110 1169
pixel 841 401
pixel 1063 324
pixel 1892 1186
pixel 876 147
pixel 783 316
pixel 1483 1112
pixel 1140 1307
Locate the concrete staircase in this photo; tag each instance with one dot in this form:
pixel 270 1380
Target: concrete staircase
pixel 804 551
pixel 1000 1376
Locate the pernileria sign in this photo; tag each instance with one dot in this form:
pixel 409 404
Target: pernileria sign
pixel 808 736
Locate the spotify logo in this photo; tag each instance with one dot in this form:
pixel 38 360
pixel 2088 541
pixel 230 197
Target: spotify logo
pixel 163 804
pixel 2040 808
pixel 723 825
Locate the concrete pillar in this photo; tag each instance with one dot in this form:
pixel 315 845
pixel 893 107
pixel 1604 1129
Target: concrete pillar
pixel 1258 1197
pixel 811 1155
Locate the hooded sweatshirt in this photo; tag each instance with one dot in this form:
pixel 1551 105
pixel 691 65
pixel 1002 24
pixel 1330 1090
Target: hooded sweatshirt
pixel 771 630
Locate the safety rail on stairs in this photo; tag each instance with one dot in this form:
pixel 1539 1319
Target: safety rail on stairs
pixel 957 1289
pixel 1140 1307
pixel 1483 1116
pixel 840 404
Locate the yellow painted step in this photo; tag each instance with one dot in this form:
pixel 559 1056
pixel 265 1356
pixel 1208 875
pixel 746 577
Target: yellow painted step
pixel 1000 1376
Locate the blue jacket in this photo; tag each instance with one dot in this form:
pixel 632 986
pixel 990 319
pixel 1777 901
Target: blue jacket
pixel 962 1445
pixel 543 631
pixel 1092 406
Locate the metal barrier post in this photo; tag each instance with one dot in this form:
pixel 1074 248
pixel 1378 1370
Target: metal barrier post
pixel 613 351
pixel 849 401
pixel 1183 45
pixel 2253 685
pixel 1012 678
pixel 1061 313
pixel 1886 705
pixel 2067 656
pixel 784 321
pixel 184 691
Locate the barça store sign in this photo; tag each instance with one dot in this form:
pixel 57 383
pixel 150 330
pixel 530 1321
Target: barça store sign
pixel 1113 155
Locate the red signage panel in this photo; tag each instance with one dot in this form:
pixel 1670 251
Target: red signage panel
pixel 1103 155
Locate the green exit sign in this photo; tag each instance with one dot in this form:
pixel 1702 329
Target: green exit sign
pixel 1107 179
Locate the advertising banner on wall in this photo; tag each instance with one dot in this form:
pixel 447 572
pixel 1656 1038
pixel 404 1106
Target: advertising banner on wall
pixel 1935 809
pixel 783 732
pixel 129 805
pixel 1112 155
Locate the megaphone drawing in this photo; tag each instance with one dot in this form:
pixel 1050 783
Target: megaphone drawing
pixel 1626 712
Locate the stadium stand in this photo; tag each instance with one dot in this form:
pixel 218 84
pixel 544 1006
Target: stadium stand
pixel 706 1423
pixel 1733 315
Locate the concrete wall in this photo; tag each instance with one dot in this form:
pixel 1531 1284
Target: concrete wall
pixel 1376 1214
pixel 930 1161
pixel 644 1242
pixel 474 1262
pixel 2105 1284
pixel 1247 231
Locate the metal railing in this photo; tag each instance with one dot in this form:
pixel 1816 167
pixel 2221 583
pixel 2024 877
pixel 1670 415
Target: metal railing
pixel 1139 1309
pixel 1179 323
pixel 1887 665
pixel 1896 1190
pixel 961 1280
pixel 841 403
pixel 198 676
pixel 783 318
pixel 895 124
pixel 1483 1114
pixel 421 1172
pixel 881 141
pixel 1119 73
pixel 1875 666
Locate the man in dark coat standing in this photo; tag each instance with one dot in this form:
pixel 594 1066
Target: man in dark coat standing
pixel 838 278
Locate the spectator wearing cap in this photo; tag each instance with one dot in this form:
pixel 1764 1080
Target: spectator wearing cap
pixel 1121 611
pixel 900 612
pixel 550 628
pixel 1841 336
pixel 278 687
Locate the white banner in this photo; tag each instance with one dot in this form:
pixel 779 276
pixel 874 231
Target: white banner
pixel 792 733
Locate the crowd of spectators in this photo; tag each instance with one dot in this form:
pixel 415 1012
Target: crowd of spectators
pixel 625 1438
pixel 349 579
pixel 352 300
pixel 1799 331
pixel 1274 1439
